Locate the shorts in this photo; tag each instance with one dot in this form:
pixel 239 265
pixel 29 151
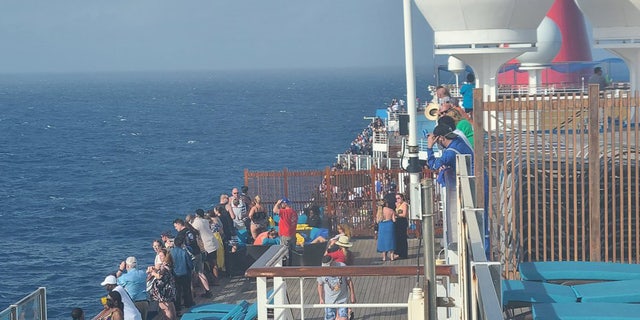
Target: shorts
pixel 330 313
pixel 212 258
pixel 198 264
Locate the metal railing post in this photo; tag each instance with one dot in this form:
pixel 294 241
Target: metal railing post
pixel 430 311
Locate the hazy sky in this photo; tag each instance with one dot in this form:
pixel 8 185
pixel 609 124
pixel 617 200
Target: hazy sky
pixel 117 35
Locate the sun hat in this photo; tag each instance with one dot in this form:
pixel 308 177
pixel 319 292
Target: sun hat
pixel 343 241
pixel 110 279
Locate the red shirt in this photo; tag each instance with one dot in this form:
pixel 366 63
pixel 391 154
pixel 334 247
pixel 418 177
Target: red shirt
pixel 338 255
pixel 288 222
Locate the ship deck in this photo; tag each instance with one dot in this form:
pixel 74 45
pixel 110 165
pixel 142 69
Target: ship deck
pixel 368 289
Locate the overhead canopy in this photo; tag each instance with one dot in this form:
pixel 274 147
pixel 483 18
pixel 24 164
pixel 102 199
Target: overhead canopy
pixel 484 22
pixel 613 21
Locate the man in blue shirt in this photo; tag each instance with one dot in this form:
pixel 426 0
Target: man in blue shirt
pixel 182 267
pixel 451 145
pixel 134 281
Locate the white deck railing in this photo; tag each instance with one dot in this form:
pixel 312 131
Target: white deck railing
pixel 272 288
pixel 479 278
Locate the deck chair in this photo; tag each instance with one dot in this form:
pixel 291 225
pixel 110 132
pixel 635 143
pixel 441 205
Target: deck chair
pixel 252 312
pixel 202 316
pixel 216 311
pixel 516 293
pixel 577 270
pixel 586 311
pixel 212 307
pixel 624 291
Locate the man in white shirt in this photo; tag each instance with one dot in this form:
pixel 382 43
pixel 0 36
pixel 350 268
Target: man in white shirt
pixel 210 243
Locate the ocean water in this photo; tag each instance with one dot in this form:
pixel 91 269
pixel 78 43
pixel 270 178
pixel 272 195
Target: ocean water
pixel 94 166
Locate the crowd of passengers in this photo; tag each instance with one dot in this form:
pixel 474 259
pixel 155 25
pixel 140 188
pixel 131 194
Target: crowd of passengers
pixel 193 260
pixel 207 245
pixel 363 143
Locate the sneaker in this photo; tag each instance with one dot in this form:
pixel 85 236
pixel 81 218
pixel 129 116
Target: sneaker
pixel 207 294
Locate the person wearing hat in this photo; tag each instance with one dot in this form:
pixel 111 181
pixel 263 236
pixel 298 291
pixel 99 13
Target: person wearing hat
pixel 451 145
pixel 287 224
pixel 130 311
pixel 335 290
pixel 134 281
pixel 339 250
pixel 461 127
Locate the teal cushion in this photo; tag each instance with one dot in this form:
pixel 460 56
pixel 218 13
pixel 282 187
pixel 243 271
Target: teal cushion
pixel 526 292
pixel 213 307
pixel 578 270
pixel 586 311
pixel 625 291
pixel 239 308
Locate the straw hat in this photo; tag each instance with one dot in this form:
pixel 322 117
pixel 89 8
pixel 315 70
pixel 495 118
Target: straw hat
pixel 343 241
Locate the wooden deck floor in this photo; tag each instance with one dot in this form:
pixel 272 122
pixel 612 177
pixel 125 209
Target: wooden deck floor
pixel 368 289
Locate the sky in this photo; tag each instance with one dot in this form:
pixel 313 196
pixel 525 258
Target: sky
pixel 167 35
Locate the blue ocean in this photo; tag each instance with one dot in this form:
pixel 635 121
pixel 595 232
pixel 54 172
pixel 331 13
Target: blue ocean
pixel 93 167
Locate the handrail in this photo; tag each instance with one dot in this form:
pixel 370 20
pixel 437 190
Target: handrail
pixel 359 271
pixel 269 265
pixel 481 278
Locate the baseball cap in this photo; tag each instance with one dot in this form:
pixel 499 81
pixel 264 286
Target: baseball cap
pixel 285 200
pixel 110 279
pixel 444 131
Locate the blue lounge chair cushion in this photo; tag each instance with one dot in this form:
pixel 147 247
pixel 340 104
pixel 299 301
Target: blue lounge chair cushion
pixel 202 316
pixel 252 312
pixel 213 307
pixel 239 308
pixel 577 270
pixel 586 311
pixel 625 291
pixel 527 292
